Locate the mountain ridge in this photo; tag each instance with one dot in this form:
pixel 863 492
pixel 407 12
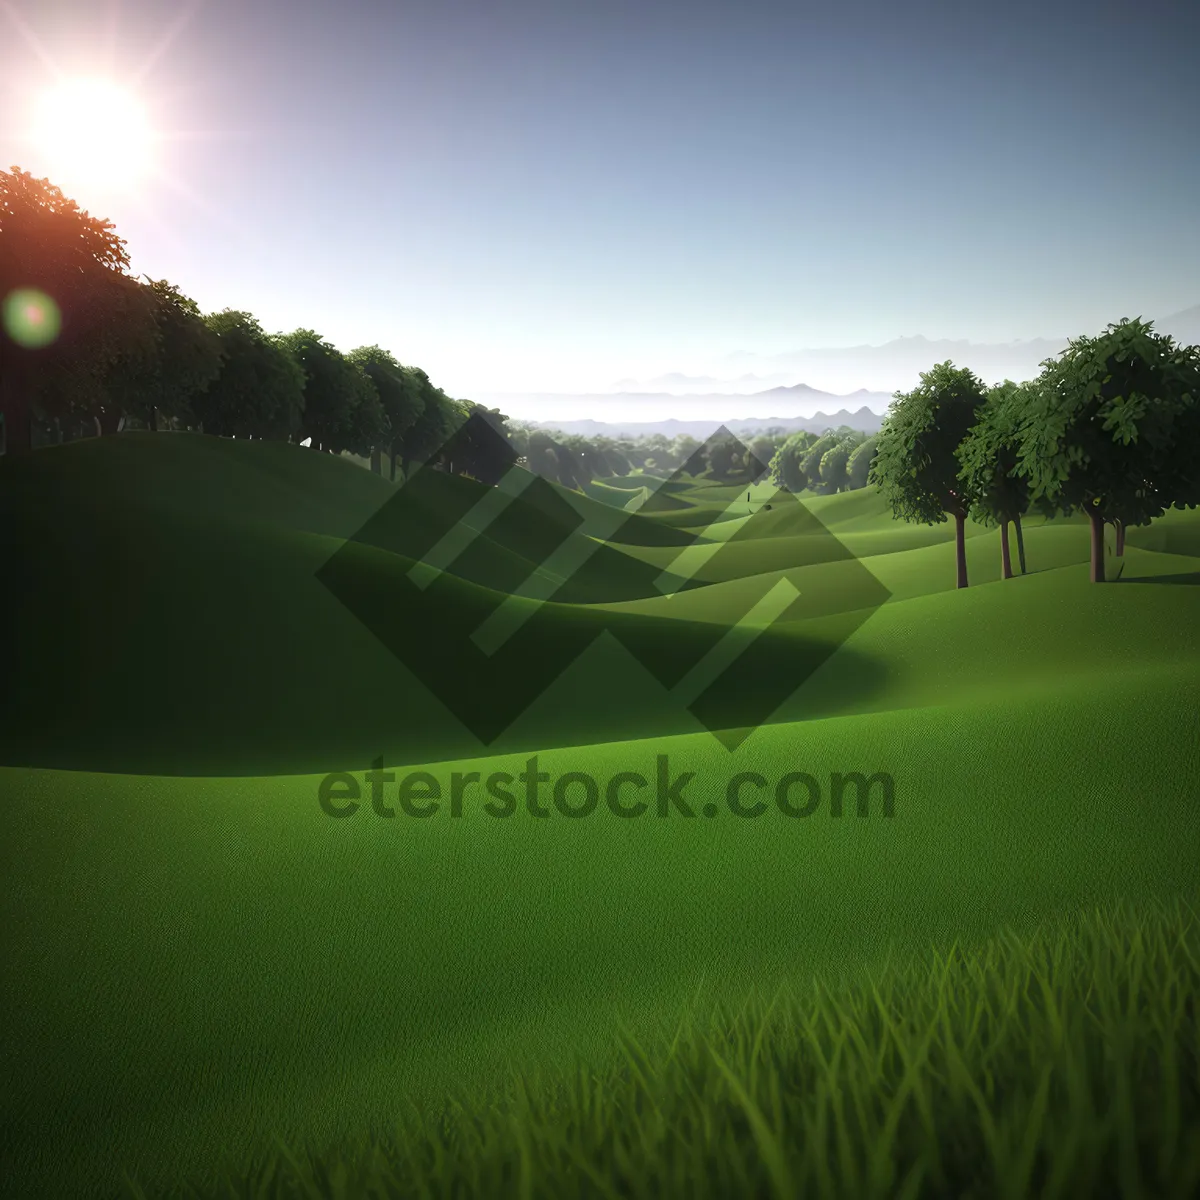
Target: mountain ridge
pixel 879 370
pixel 864 419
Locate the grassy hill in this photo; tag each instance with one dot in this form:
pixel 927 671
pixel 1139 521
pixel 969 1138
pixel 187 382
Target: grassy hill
pixel 197 957
pixel 177 580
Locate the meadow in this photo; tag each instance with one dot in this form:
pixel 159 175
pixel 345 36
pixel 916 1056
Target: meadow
pixel 990 992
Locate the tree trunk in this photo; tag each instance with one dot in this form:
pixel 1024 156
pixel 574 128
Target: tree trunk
pixel 15 408
pixel 376 461
pixel 1097 575
pixel 1005 555
pixel 108 422
pixel 153 422
pixel 1020 542
pixel 960 547
pixel 393 456
pixel 1120 526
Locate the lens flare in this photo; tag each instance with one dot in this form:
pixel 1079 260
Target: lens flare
pixel 30 318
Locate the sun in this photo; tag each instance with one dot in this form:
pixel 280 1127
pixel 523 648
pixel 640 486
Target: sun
pixel 94 133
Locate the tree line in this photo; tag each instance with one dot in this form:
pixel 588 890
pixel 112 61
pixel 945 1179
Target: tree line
pixel 86 347
pixel 1109 429
pixel 84 343
pixel 837 460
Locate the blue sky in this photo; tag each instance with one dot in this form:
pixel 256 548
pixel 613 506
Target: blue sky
pixel 555 196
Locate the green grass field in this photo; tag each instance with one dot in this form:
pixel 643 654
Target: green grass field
pixel 199 960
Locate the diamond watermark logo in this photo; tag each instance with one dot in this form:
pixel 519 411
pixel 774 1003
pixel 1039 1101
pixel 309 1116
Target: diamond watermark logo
pixel 477 590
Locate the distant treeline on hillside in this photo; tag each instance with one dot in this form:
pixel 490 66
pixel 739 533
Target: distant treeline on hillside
pixel 1109 429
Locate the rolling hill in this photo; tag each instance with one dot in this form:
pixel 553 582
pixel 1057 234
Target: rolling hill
pixel 199 959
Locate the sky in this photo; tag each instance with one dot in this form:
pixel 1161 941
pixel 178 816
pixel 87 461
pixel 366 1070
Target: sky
pixel 535 196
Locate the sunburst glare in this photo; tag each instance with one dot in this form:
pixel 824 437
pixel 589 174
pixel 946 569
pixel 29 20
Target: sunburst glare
pixel 94 134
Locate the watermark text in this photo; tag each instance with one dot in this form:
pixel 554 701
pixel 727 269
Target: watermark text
pixel 577 794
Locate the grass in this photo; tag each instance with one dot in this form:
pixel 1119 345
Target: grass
pixel 1060 1063
pixel 197 963
pixel 197 958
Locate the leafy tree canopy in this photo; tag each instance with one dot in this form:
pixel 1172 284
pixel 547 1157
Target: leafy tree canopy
pixel 1103 422
pixel 439 417
pixel 833 465
pixel 185 359
pixel 399 391
pixel 50 245
pixel 858 468
pixel 259 390
pixel 915 464
pixel 786 469
pixel 988 456
pixel 333 388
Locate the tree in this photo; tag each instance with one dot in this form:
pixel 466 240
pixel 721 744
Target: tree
pixel 108 370
pixel 858 467
pixel 988 462
pixel 588 462
pixel 451 453
pixel 1180 472
pixel 916 466
pixel 332 389
pixel 659 448
pixel 1177 476
pixel 833 466
pixel 541 456
pixel 1104 419
pixel 554 459
pixel 479 447
pixel 428 433
pixel 63 272
pixel 187 357
pixel 834 463
pixel 810 460
pixel 724 457
pixel 399 394
pixel 259 389
pixel 518 435
pixel 762 447
pixel 786 471
pixel 683 447
pixel 615 462
pixel 364 428
pixel 696 461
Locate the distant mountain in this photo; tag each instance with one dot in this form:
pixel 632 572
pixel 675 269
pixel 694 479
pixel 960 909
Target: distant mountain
pixel 676 379
pixel 799 392
pixel 709 409
pixel 897 365
pixel 864 419
pixel 877 371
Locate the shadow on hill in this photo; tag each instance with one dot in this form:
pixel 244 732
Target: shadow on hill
pixel 166 615
pixel 313 691
pixel 1185 578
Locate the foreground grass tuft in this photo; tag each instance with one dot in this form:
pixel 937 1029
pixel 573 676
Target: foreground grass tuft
pixel 1062 1064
